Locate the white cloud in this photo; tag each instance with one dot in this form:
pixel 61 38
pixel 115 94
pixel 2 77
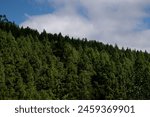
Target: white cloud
pixel 109 21
pixel 67 25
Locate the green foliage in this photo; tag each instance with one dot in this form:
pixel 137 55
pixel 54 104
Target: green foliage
pixel 50 66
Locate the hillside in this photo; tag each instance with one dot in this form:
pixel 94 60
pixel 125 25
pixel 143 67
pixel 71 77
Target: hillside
pixel 52 66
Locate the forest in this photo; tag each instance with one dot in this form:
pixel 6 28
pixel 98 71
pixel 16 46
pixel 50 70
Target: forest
pixel 35 66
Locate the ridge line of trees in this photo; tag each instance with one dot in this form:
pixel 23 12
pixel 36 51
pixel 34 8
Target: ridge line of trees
pixel 52 66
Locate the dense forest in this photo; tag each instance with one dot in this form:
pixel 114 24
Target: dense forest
pixel 37 66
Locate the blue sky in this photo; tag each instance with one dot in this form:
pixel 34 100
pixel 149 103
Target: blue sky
pixel 16 10
pixel 122 22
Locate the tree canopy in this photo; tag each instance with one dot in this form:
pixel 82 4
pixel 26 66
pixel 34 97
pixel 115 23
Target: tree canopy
pixel 37 65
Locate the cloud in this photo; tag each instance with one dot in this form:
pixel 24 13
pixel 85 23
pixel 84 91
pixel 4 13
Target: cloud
pixel 110 21
pixel 67 25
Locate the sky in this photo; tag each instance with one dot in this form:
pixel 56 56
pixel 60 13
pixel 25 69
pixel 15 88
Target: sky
pixel 122 22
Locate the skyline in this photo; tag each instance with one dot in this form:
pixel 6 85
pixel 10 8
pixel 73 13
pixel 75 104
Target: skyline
pixel 125 23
